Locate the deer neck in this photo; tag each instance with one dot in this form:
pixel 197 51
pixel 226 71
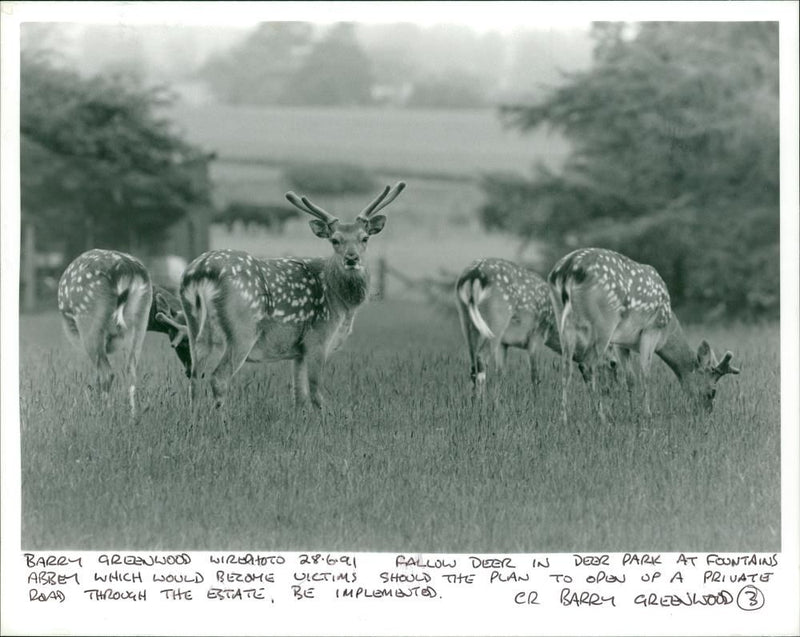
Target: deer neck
pixel 345 289
pixel 675 351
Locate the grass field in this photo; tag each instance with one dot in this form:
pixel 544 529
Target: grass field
pixel 404 460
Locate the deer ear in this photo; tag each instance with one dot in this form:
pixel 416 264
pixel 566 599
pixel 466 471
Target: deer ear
pixel 375 224
pixel 704 355
pixel 320 228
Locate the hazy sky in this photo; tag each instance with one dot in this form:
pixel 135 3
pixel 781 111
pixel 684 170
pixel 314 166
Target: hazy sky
pixel 500 16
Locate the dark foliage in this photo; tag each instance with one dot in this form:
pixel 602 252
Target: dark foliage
pixel 280 63
pixel 455 89
pixel 258 70
pixel 675 159
pixel 98 166
pixel 335 72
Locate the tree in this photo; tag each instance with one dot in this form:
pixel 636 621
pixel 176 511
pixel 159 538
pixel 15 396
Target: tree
pixel 675 138
pixel 454 89
pixel 257 70
pixel 335 72
pixel 98 166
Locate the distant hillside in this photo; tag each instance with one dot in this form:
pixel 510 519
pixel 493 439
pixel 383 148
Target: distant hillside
pixel 449 144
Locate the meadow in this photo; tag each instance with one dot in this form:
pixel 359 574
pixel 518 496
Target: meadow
pixel 404 459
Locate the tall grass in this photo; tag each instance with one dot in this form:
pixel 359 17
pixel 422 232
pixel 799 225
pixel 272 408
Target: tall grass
pixel 403 460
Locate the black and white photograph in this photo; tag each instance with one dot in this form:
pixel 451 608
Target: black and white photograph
pixel 421 278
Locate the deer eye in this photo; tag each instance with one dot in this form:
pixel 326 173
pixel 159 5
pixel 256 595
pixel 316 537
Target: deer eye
pixel 335 242
pixel 364 239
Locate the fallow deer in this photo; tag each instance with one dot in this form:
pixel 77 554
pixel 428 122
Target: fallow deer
pixel 240 308
pixel 107 300
pixel 502 305
pixel 104 298
pixel 603 298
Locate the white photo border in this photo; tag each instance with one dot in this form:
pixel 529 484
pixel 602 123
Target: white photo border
pixel 375 618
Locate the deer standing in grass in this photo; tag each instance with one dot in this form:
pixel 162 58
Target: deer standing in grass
pixel 105 299
pixel 240 308
pixel 603 298
pixel 502 305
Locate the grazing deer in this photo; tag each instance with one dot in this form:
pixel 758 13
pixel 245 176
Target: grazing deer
pixel 502 305
pixel 106 299
pixel 239 308
pixel 516 313
pixel 603 298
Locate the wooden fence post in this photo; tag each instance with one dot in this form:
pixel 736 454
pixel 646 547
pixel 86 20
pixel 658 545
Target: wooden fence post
pixel 29 291
pixel 381 291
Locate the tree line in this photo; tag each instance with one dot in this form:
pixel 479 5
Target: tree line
pixel 675 161
pixel 290 63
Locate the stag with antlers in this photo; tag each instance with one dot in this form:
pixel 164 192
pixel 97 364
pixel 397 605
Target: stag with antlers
pixel 239 308
pixel 105 299
pixel 603 298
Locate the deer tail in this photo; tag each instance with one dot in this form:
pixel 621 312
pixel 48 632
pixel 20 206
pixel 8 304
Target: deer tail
pixel 131 300
pixel 197 301
pixel 471 292
pixel 560 295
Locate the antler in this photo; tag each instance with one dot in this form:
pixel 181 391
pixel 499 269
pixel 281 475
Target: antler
pixel 725 367
pixel 305 204
pixel 183 330
pixel 382 200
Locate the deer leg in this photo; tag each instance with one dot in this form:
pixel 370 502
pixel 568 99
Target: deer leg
pixel 192 391
pixel 138 311
pixel 532 363
pixel 94 337
pixel 566 377
pixel 235 355
pixel 71 330
pixel 219 388
pixel 589 373
pixel 105 375
pixel 598 398
pixel 533 345
pixel 477 372
pixel 315 367
pixel 647 346
pixel 623 370
pixel 500 355
pixel 133 362
pixel 300 382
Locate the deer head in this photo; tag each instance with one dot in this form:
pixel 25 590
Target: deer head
pixel 349 239
pixel 703 385
pixel 168 318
